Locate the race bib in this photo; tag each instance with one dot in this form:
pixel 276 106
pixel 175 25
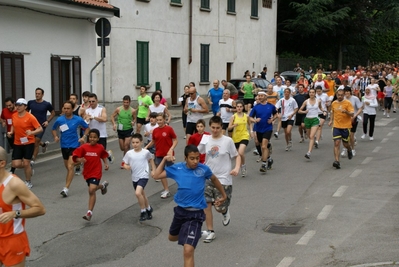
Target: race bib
pixel 9 121
pixel 24 140
pixel 120 127
pixel 64 127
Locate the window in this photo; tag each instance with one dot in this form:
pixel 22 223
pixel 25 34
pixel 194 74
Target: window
pixel 142 63
pixel 204 63
pixel 66 78
pixel 205 4
pixel 231 6
pixel 267 3
pixel 254 8
pixel 175 2
pixel 12 76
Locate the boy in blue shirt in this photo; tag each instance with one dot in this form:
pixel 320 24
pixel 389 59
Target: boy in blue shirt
pixel 189 215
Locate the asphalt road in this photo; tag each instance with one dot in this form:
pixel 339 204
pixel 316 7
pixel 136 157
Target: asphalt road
pixel 347 217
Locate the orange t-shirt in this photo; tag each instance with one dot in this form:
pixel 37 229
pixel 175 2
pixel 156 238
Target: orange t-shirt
pixel 342 120
pixel 331 86
pixel 21 125
pixel 272 99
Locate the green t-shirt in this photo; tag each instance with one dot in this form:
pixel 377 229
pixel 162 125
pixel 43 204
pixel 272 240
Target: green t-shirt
pixel 144 103
pixel 248 87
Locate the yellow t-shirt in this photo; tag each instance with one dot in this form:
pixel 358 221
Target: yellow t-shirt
pixel 240 132
pixel 342 120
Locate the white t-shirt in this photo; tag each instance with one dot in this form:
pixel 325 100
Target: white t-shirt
pixel 159 109
pixel 279 90
pixel 223 105
pixel 149 128
pixel 373 88
pixel 138 162
pixel 323 98
pixel 218 155
pixel 356 103
pixel 287 108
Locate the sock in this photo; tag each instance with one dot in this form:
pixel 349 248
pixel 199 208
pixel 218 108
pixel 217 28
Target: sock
pixel 149 208
pixel 89 211
pixel 142 210
pixel 225 211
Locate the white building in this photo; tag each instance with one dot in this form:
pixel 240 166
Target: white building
pixel 49 44
pixel 168 43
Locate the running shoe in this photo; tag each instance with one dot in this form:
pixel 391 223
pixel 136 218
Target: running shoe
pixel 259 159
pixel 143 216
pixel 256 152
pixel 64 192
pixel 394 111
pixel 350 155
pixel 289 145
pixel 263 168
pixel 276 135
pixel 337 165
pixel 77 170
pixel 111 156
pixel 226 218
pixel 371 138
pixel 387 115
pixel 269 163
pixel 210 237
pixel 307 155
pixel 165 194
pixel 316 144
pixel 104 189
pixel 88 215
pixel 286 148
pixel 363 136
pixel 28 184
pixel 149 213
pixel 343 153
pixel 243 171
pixel 32 172
pixel 353 152
pixel 384 113
pixel 302 140
pixel 44 146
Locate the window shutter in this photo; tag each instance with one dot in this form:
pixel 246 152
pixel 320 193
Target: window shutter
pixel 204 63
pixel 56 82
pixel 205 4
pixel 19 76
pixel 12 75
pixel 77 76
pixel 142 63
pixel 254 8
pixel 231 5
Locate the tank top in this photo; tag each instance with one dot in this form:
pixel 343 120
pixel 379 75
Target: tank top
pixel 313 109
pixel 159 109
pixel 15 226
pixel 76 111
pixel 101 126
pixel 240 132
pixel 125 119
pixel 194 116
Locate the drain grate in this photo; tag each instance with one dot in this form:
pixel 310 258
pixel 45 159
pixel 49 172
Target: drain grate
pixel 283 229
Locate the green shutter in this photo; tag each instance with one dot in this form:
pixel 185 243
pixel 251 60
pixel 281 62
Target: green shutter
pixel 231 6
pixel 205 4
pixel 176 1
pixel 254 8
pixel 142 63
pixel 204 63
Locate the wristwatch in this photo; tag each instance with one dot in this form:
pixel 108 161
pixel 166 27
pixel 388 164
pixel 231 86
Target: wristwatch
pixel 17 214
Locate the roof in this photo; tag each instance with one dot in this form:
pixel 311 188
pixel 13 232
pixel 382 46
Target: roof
pixel 98 4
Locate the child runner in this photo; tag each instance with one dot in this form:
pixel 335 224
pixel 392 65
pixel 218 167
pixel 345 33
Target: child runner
pixel 149 128
pixel 190 177
pixel 195 139
pixel 90 154
pixel 136 160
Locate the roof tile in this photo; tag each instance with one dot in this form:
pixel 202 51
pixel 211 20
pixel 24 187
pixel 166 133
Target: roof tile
pixel 100 3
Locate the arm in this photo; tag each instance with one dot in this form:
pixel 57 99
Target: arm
pixel 186 107
pixel 116 112
pixel 103 117
pixel 170 152
pixel 55 136
pixel 231 123
pixel 35 132
pixel 236 169
pixel 159 172
pixel 168 114
pixel 150 144
pixel 82 112
pixel 220 188
pixel 301 111
pixel 204 106
pixel 134 115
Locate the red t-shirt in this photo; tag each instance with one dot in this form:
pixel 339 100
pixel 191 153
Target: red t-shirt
pixel 195 139
pixel 163 139
pixel 6 115
pixel 93 155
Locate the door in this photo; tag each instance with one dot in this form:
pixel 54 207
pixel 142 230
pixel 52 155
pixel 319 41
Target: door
pixel 174 92
pixel 228 71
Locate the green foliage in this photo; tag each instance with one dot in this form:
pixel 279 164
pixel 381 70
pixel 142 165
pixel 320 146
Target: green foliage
pixel 385 46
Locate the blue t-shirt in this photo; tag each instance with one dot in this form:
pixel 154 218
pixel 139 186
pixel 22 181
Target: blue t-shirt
pixel 190 184
pixel 215 96
pixel 264 112
pixel 39 110
pixel 68 129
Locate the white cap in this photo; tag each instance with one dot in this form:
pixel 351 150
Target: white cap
pixel 21 101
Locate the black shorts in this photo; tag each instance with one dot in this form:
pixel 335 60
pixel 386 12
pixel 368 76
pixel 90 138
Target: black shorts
pixel 122 134
pixel 95 181
pixel 141 182
pixel 354 126
pixel 158 160
pixel 103 141
pixel 244 142
pixel 187 225
pixel 300 118
pixel 248 101
pixel 284 124
pixel 67 152
pixel 141 121
pixel 23 151
pixel 11 141
pixel 184 119
pixel 322 116
pixel 191 128
pixel 225 125
pixel 266 135
pixel 342 134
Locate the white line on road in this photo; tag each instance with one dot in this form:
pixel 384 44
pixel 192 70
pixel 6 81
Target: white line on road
pixel 367 160
pixel 306 237
pixel 355 173
pixel 395 128
pixel 286 262
pixel 384 140
pixel 341 190
pixel 390 133
pixel 325 212
pixel 377 149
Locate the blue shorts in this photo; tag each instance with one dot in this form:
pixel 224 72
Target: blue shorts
pixel 94 181
pixel 141 182
pixel 341 134
pixel 158 160
pixel 187 225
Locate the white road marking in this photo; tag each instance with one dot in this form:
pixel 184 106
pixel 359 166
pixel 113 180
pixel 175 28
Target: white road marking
pixel 395 128
pixel 306 237
pixel 340 191
pixel 384 121
pixel 384 140
pixel 286 262
pixel 325 212
pixel 390 133
pixel 367 160
pixel 377 149
pixel 355 173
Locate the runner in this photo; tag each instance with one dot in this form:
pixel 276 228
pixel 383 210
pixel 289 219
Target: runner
pixel 227 107
pixel 325 102
pixel 287 107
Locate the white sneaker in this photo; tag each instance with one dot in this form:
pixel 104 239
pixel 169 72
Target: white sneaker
pixel 353 152
pixel 256 152
pixel 111 156
pixel 165 194
pixel 363 136
pixel 243 171
pixel 343 153
pixel 32 172
pixel 205 233
pixel 387 115
pixel 209 238
pixel 28 184
pixel 226 218
pixel 384 113
pixel 44 148
pixel 276 134
pixel 64 192
pixel 371 138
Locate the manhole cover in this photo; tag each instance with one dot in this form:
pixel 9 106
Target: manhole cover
pixel 283 229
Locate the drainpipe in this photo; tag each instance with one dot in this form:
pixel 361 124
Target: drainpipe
pixel 190 34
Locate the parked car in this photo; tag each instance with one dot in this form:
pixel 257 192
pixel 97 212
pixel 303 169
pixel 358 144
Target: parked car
pixel 292 76
pixel 259 82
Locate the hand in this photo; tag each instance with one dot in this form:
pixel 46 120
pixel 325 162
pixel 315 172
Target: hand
pixel 329 123
pixel 28 132
pixel 106 167
pixel 170 158
pixel 257 120
pixel 234 172
pixel 81 140
pixel 45 124
pixel 57 139
pixel 219 201
pixel 7 216
pixel 114 127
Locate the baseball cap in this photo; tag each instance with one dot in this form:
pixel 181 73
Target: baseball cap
pixel 21 101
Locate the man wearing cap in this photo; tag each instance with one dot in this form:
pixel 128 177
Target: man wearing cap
pixel 24 128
